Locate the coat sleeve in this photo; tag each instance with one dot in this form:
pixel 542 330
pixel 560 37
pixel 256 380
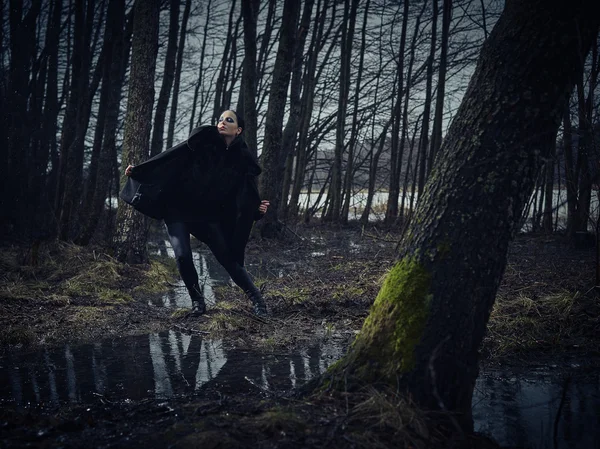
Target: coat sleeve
pixel 150 170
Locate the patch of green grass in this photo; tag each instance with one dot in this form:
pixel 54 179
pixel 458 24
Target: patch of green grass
pixel 221 321
pixel 294 295
pixel 342 292
pixel 180 313
pixel 161 273
pixel 100 280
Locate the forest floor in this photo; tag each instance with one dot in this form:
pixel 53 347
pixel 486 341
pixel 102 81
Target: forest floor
pixel 319 283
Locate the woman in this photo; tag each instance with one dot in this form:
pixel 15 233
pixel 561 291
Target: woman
pixel 209 192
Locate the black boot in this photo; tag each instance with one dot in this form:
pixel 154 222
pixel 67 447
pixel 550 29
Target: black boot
pixel 198 304
pixel 260 307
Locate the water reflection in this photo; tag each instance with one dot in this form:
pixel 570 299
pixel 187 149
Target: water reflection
pixel 210 275
pixel 515 409
pixel 160 366
pixel 521 410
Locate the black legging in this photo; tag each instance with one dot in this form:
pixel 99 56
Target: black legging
pixel 213 236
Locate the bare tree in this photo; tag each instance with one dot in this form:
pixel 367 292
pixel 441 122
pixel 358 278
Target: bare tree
pixel 436 136
pixel 335 189
pixel 164 95
pixel 269 184
pixel 112 83
pixel 177 82
pixel 132 230
pixel 247 105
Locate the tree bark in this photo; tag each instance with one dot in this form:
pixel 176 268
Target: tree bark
pixel 570 176
pixel 201 74
pixel 335 189
pixel 424 166
pixel 132 229
pixel 424 330
pixel 391 212
pixel 177 82
pixel 250 10
pixel 436 133
pixel 290 132
pixel 113 83
pixel 269 185
pixel 22 30
pixel 80 97
pixel 160 116
pixel 220 85
pixel 349 178
pixel 308 91
pixel 549 191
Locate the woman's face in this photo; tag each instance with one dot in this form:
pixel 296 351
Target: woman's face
pixel 228 125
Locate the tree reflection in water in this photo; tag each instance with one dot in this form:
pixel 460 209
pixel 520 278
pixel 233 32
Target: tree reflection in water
pixel 517 409
pixel 158 366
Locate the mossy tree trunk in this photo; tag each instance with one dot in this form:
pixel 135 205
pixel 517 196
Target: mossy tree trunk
pixel 425 327
pixel 132 229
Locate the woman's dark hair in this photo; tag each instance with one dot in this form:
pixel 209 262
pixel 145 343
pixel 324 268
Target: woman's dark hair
pixel 239 118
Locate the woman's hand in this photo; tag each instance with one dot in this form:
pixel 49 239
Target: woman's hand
pixel 128 170
pixel 264 205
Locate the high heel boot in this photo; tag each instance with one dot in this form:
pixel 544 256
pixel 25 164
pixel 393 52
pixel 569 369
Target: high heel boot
pixel 260 307
pixel 198 304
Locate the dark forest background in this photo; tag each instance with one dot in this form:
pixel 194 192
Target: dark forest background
pixel 346 104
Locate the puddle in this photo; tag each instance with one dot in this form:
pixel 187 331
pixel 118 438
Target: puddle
pixel 161 366
pixel 210 275
pixel 515 409
pixel 521 409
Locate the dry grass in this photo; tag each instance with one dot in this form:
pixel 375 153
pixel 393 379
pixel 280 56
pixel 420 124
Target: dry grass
pixel 62 272
pixel 555 321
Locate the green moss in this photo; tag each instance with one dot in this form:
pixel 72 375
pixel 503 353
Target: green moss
pixel 395 324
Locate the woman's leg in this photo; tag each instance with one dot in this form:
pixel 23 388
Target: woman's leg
pixel 213 236
pixel 179 235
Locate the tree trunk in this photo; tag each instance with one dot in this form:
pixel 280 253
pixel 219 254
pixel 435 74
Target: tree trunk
pixel 193 119
pixel 424 140
pixel 175 97
pixel 570 176
pixel 335 188
pixel 290 132
pixel 349 178
pixel 404 132
pixel 14 198
pixel 250 10
pixel 269 185
pixel 222 79
pixel 436 133
pixel 113 80
pixel 132 229
pixel 391 212
pixel 549 191
pixel 585 146
pixel 83 91
pixel 160 116
pixel 424 330
pixel 308 96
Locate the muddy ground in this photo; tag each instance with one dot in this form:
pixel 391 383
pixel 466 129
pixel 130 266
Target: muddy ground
pixel 319 283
